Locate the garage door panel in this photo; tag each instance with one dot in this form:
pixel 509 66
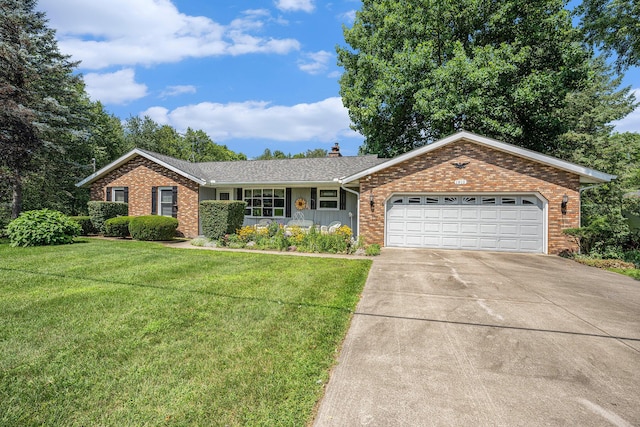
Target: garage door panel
pixel 414 241
pixel 450 242
pixel 489 243
pixel 413 226
pixel 431 213
pixel 467 228
pixel 412 213
pixel 509 215
pixel 508 230
pixel 450 227
pixel 470 214
pixel 530 230
pixel 531 215
pixel 431 227
pixel 466 243
pixel 489 229
pixel 511 223
pixel 490 214
pixel 450 214
pixel 530 245
pixel 395 227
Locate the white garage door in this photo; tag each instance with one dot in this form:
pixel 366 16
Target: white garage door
pixel 486 222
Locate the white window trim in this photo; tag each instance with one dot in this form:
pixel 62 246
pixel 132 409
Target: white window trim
pixel 113 194
pixel 250 208
pixel 327 199
pixel 159 201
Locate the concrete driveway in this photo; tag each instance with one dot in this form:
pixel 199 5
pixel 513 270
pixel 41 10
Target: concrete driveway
pixel 455 338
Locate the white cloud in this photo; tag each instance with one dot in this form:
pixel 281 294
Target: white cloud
pixel 631 123
pixel 127 32
pixel 114 88
pixel 315 62
pixel 349 16
pixel 178 90
pixel 325 120
pixel 295 5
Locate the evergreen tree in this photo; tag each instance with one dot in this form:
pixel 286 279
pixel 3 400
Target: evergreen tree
pixel 40 98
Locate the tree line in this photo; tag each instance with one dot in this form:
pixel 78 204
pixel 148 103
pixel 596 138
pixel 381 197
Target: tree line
pixel 414 72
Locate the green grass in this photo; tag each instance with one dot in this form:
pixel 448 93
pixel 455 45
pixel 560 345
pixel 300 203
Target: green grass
pixel 635 273
pixel 118 333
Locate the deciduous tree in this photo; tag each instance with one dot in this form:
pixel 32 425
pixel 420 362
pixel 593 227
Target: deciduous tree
pixel 416 71
pixel 613 25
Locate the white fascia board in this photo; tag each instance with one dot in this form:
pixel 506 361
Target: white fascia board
pixel 130 155
pixel 586 174
pixel 272 183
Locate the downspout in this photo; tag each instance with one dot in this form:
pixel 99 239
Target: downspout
pixel 590 187
pixel 357 206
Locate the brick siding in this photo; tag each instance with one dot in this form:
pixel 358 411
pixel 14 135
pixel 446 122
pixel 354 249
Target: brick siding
pixel 140 175
pixel 489 171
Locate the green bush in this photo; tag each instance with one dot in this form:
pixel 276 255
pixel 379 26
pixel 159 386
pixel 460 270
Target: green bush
pixel 102 211
pixel 153 227
pixel 43 227
pixel 85 223
pixel 117 227
pixel 220 217
pixel 372 250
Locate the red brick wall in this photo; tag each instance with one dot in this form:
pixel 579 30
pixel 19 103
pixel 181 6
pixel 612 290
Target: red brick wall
pixel 488 171
pixel 139 175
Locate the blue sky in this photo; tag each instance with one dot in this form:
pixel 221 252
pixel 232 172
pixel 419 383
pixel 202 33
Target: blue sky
pixel 252 74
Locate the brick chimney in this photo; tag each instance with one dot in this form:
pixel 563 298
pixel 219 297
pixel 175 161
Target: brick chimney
pixel 335 151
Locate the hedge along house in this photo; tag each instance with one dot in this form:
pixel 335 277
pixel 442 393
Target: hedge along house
pixel 152 183
pixel 462 192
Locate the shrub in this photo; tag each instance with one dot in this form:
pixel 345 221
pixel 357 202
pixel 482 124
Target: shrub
pixel 153 227
pixel 605 263
pixel 85 223
pixel 117 227
pixel 220 217
pixel 633 256
pixel 102 211
pixel 43 227
pixel 372 250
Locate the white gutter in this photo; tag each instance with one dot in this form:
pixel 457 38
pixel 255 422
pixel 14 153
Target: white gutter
pixel 357 207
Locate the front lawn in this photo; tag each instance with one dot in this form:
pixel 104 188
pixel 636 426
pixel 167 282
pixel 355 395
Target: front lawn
pixel 132 333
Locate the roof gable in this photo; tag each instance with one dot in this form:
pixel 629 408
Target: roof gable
pixel 284 172
pixel 181 167
pixel 587 175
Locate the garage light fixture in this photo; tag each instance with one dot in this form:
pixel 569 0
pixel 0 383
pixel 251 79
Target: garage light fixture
pixel 371 202
pixel 563 205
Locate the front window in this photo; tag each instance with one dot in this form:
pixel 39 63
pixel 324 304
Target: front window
pixel 166 201
pixel 265 202
pixel 328 199
pixel 119 194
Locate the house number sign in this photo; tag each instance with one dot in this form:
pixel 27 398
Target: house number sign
pixel 460 181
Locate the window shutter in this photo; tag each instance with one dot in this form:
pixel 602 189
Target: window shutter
pixel 154 200
pixel 174 203
pixel 238 193
pixel 126 194
pixel 287 202
pixel 343 199
pixel 108 194
pixel 314 197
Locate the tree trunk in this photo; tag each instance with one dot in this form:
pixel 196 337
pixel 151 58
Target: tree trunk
pixel 16 203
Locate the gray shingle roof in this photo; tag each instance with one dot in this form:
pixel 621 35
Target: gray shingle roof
pixel 312 170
